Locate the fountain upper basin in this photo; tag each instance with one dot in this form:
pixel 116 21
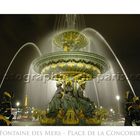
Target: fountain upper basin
pixel 76 65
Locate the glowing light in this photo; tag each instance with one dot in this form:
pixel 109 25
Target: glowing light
pixel 101 107
pixel 18 104
pixel 117 97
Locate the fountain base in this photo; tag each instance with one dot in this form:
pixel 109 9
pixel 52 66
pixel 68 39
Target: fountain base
pixel 71 107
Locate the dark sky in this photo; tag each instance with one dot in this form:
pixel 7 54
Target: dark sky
pixel 121 31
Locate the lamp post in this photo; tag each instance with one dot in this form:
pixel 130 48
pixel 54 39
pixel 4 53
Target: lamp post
pixel 118 99
pixel 17 105
pixel 112 113
pixel 101 107
pixel 111 110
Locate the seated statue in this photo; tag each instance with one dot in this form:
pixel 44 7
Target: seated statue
pixel 84 103
pixel 55 103
pixel 69 101
pixel 68 98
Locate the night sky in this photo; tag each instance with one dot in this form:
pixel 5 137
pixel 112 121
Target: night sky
pixel 122 32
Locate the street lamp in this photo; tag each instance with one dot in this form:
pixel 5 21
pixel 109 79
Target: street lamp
pixel 117 97
pixel 111 110
pixel 17 105
pixel 101 107
pixel 112 113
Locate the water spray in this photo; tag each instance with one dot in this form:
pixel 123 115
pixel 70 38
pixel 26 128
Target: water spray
pixel 21 48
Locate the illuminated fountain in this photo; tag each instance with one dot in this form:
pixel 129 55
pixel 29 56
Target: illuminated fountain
pixel 72 64
pixel 71 68
pixel 78 59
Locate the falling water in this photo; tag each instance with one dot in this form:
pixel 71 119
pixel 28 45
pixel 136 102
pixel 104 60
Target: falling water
pixel 21 48
pixel 70 20
pixel 40 91
pixel 97 94
pixel 92 33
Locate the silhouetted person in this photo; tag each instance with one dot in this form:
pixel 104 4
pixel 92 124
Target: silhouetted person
pixel 6 106
pixel 134 111
pixel 128 103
